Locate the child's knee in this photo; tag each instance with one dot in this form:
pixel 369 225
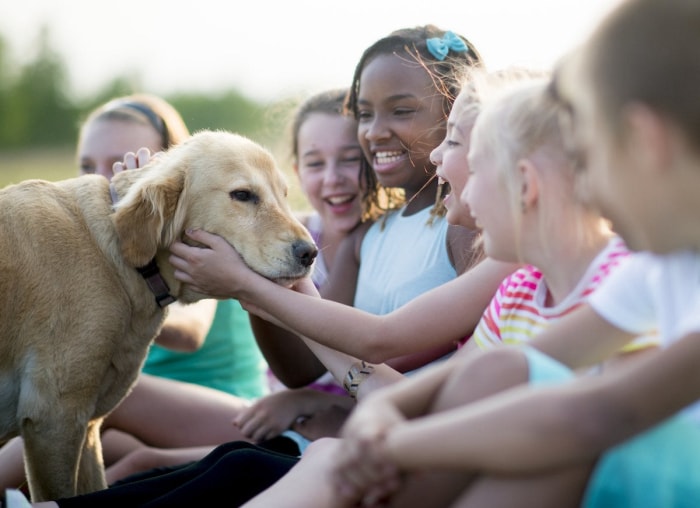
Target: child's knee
pixel 484 374
pixel 323 445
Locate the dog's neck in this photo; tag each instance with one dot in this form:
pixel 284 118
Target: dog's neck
pixel 156 283
pixel 150 272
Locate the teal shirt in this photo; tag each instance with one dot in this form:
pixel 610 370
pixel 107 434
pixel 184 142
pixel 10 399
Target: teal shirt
pixel 229 360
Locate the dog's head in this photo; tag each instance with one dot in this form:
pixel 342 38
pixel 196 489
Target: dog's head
pixel 222 183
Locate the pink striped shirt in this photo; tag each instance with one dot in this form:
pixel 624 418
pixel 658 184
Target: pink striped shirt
pixel 517 311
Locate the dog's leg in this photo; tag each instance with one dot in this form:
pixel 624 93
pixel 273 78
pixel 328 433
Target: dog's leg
pixel 52 450
pixel 91 476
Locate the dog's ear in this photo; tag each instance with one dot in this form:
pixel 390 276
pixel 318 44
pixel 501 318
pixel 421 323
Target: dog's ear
pixel 145 219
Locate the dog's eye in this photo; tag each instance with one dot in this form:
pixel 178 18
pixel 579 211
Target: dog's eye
pixel 244 196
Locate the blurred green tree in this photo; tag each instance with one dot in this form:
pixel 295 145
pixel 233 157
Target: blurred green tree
pixel 38 109
pixel 37 101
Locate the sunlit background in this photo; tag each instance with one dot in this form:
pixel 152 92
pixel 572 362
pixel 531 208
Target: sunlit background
pixel 272 48
pixel 228 64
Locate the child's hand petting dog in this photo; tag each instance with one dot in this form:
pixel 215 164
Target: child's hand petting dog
pixel 134 160
pixel 212 266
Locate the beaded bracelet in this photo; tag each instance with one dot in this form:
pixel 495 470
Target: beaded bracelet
pixel 355 376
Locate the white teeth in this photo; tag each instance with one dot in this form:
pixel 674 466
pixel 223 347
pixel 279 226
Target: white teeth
pixel 387 157
pixel 337 200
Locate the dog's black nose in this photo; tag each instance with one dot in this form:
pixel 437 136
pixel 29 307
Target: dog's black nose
pixel 305 252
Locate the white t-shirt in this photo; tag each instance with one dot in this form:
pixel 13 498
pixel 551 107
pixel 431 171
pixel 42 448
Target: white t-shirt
pixel 650 292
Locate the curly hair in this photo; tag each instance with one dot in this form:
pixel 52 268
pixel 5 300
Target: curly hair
pixel 447 76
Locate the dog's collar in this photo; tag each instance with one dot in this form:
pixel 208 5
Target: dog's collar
pixel 156 282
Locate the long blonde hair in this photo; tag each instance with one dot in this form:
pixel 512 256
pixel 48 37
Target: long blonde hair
pixel 517 120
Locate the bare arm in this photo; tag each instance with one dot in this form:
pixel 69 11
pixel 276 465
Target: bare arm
pixel 362 460
pixel 186 326
pixel 412 397
pixel 289 358
pixel 463 256
pixel 338 363
pixel 287 355
pixel 581 339
pixel 342 279
pixel 531 428
pixel 442 315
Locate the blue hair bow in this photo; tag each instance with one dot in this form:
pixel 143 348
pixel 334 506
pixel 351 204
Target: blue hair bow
pixel 439 47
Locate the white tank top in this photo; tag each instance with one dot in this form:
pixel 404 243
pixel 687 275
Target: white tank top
pixel 401 262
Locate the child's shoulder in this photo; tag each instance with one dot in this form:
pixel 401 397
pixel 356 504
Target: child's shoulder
pixel 611 256
pixel 525 276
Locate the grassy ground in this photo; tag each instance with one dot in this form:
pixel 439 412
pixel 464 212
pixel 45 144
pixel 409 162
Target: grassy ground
pixel 59 163
pixel 45 163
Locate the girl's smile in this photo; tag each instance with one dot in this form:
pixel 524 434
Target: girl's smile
pixel 400 117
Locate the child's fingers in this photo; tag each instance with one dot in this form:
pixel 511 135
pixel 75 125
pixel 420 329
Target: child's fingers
pixel 143 156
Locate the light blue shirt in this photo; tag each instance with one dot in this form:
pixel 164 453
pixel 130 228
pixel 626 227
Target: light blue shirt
pixel 402 261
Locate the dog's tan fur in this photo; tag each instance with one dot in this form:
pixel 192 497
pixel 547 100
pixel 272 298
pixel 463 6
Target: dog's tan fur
pixel 77 318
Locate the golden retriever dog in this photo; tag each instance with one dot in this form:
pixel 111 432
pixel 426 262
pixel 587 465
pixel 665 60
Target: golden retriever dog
pixel 85 281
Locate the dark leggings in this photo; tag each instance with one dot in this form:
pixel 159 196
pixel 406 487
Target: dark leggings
pixel 233 473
